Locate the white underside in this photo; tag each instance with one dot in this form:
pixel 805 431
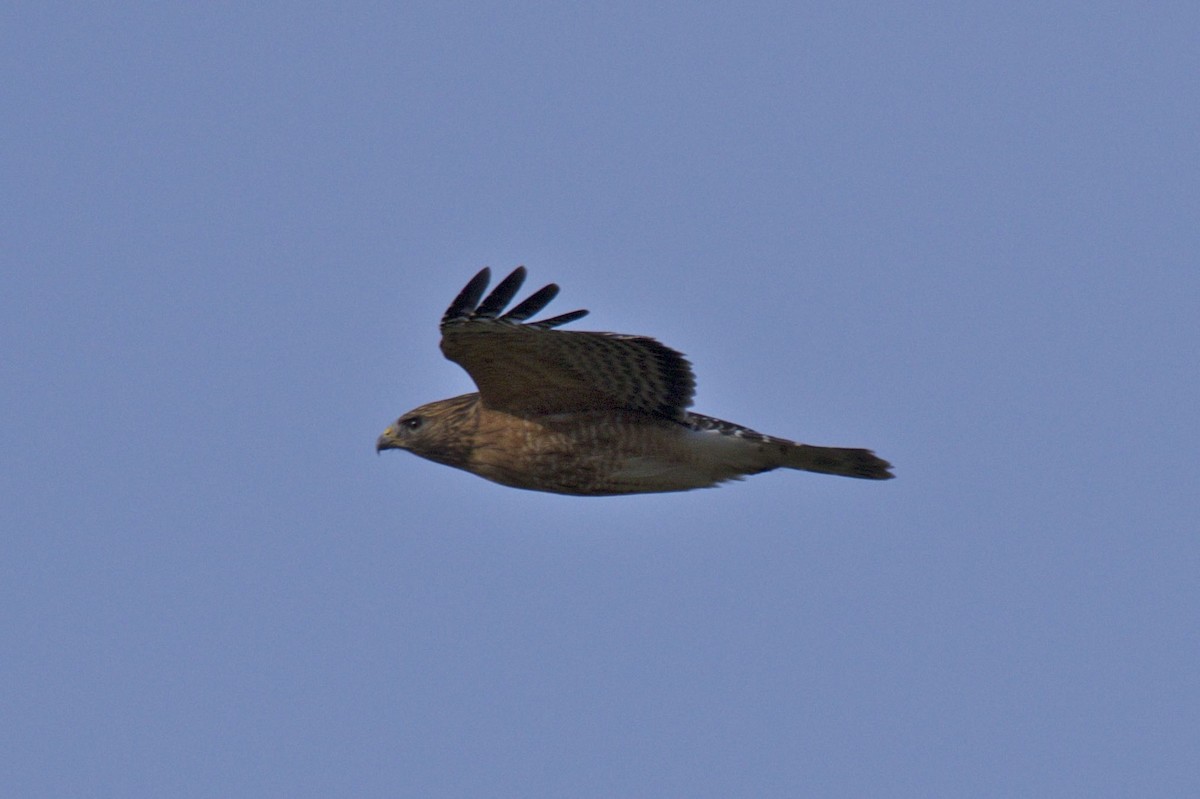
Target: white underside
pixel 704 458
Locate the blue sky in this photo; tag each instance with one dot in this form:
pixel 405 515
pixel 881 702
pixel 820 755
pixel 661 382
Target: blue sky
pixel 962 235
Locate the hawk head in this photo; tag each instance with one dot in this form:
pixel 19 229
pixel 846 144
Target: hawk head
pixel 439 431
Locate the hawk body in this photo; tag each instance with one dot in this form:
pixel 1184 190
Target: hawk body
pixel 585 413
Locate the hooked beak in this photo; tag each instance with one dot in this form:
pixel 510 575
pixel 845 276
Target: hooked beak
pixel 386 441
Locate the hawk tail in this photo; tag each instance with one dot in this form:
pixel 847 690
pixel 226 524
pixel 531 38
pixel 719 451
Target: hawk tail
pixel 838 460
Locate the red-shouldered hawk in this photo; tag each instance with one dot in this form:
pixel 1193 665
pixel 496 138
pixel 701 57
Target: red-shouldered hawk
pixel 584 413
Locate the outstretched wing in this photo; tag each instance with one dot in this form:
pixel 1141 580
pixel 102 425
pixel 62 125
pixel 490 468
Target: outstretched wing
pixel 529 368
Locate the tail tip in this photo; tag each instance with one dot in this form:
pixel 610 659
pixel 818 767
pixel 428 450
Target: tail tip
pixel 860 463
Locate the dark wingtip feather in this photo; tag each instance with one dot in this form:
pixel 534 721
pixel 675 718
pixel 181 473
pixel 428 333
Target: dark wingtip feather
pixel 491 307
pixel 532 304
pixel 464 304
pixel 558 321
pixel 467 304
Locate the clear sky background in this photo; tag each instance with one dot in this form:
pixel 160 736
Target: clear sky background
pixel 964 235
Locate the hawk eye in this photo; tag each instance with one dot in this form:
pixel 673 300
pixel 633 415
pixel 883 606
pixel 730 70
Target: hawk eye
pixel 412 423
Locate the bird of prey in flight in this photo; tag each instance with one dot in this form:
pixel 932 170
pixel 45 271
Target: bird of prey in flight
pixel 591 414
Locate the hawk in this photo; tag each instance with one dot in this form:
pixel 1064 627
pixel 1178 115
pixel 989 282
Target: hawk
pixel 590 414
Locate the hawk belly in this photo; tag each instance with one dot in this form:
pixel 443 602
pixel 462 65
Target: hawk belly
pixel 601 453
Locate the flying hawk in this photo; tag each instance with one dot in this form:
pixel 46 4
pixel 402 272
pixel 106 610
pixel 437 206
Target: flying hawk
pixel 585 413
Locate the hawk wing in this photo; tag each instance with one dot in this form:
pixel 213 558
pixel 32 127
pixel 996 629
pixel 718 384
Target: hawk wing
pixel 529 368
